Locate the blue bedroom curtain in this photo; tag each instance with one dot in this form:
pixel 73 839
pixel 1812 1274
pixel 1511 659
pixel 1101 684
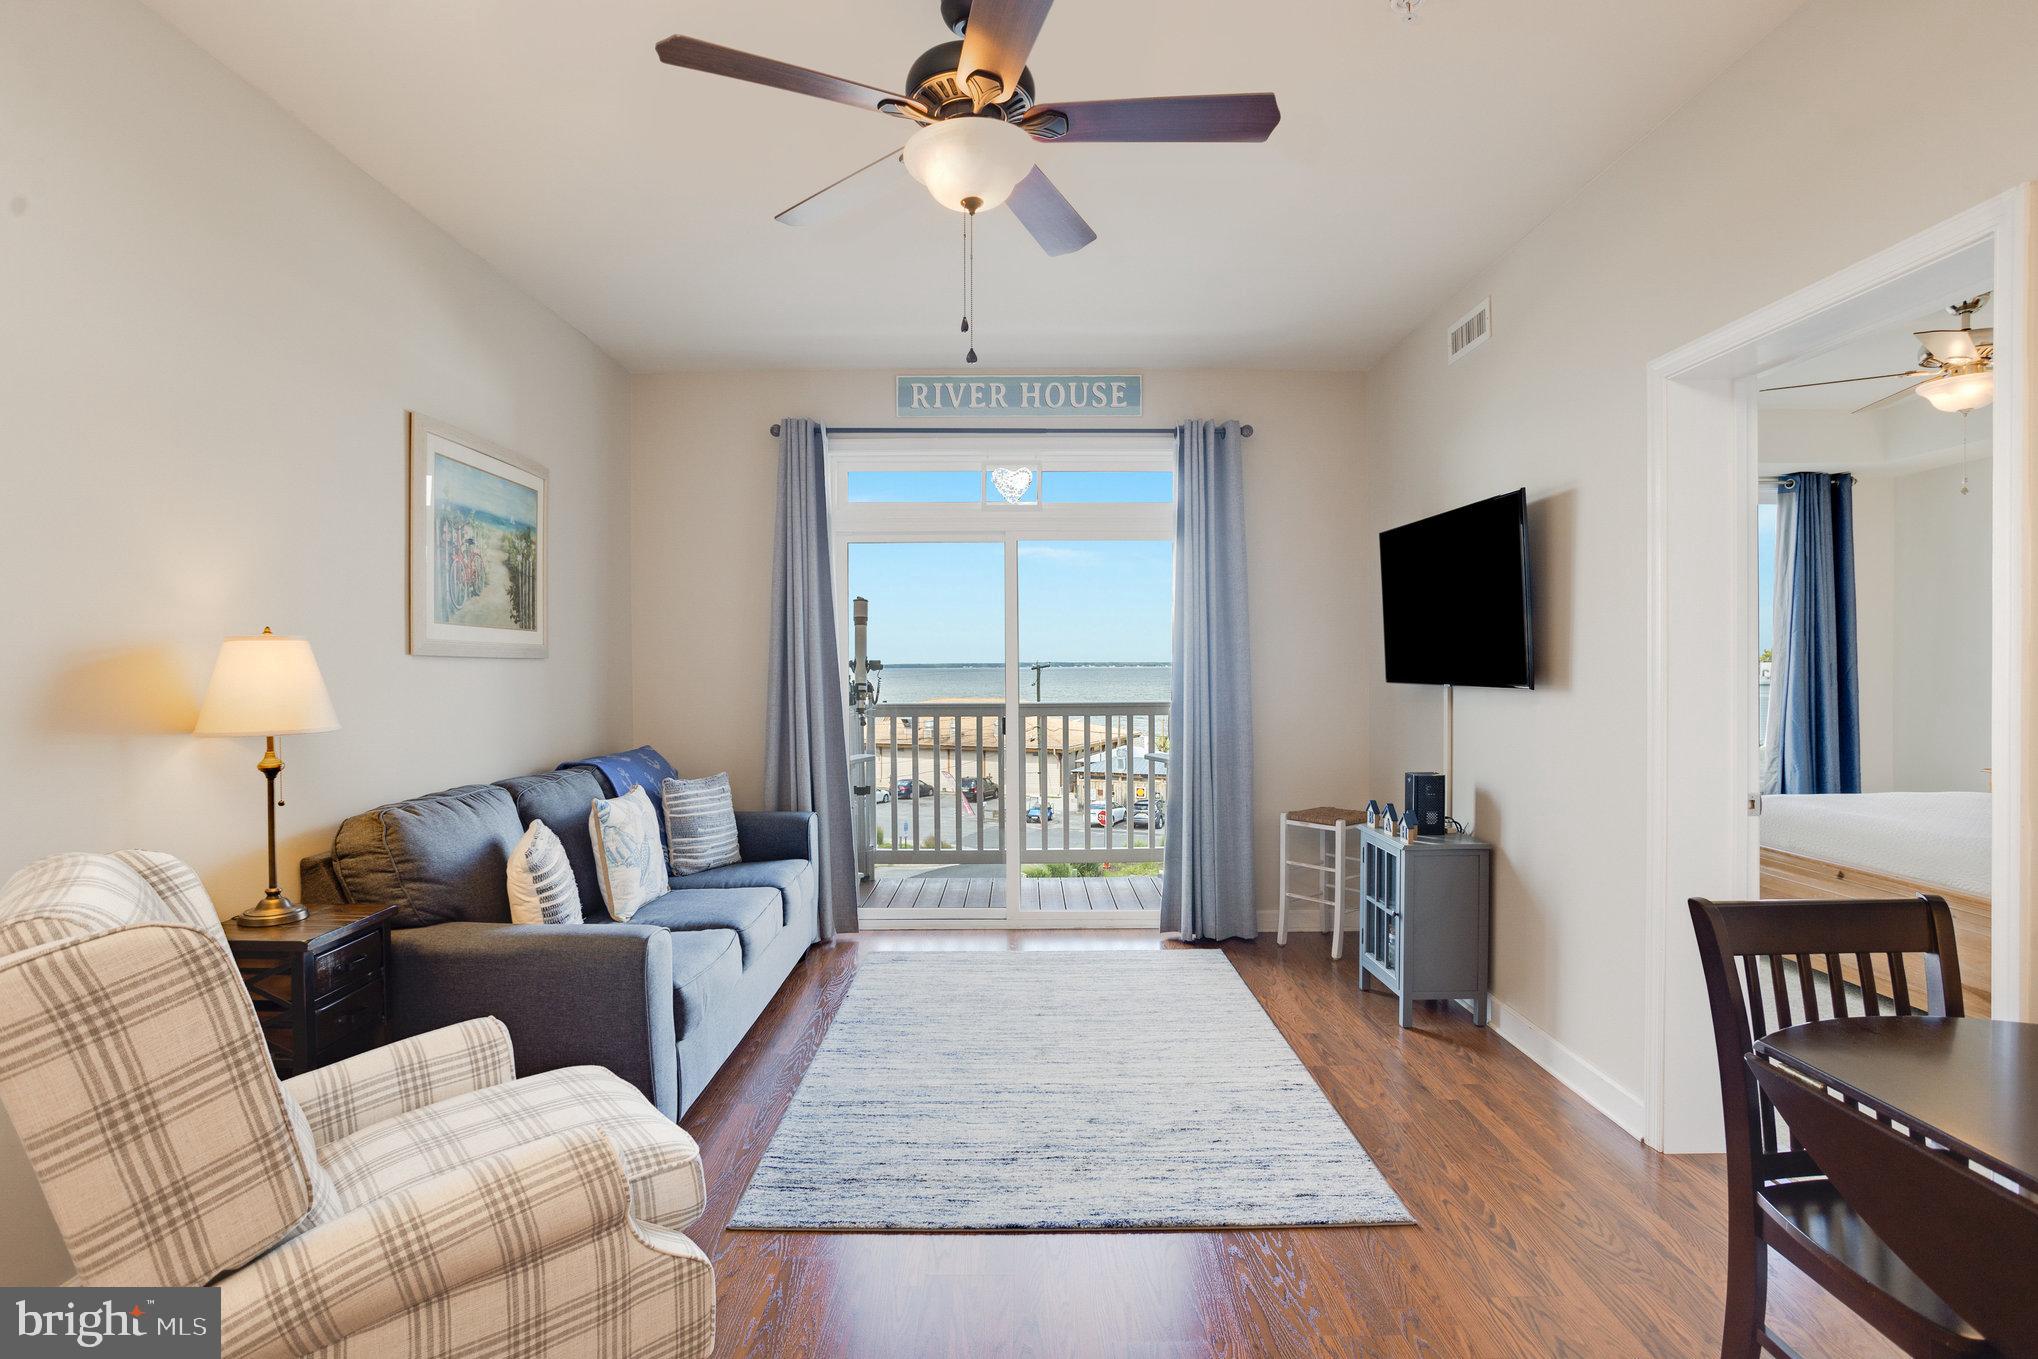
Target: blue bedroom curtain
pixel 806 755
pixel 1815 685
pixel 1207 880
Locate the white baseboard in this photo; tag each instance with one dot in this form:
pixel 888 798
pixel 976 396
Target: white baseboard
pixel 1591 1084
pixel 1584 1079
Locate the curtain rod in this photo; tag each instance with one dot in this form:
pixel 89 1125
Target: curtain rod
pixel 1087 430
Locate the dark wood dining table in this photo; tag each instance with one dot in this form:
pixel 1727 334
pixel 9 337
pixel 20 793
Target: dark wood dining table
pixel 1968 1084
pixel 1965 1094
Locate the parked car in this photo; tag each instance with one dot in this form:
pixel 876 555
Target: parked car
pixel 1149 815
pixel 972 787
pixel 1037 812
pixel 905 790
pixel 881 795
pixel 1107 814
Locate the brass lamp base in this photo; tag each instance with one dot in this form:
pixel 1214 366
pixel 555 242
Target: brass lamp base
pixel 273 910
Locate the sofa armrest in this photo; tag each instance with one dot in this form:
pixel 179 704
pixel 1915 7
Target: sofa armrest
pixel 570 995
pixel 764 836
pixel 450 1232
pixel 387 1082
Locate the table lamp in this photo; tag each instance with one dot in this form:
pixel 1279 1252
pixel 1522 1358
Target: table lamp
pixel 267 686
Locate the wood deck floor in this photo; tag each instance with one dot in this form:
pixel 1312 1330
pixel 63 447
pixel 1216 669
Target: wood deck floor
pixel 1543 1230
pixel 931 892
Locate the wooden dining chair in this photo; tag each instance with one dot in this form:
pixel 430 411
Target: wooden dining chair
pixel 1778 1198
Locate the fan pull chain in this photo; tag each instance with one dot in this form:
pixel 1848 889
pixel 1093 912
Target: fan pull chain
pixel 969 274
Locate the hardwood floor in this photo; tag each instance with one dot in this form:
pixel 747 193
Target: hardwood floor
pixel 1544 1230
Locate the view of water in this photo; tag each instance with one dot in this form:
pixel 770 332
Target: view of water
pixel 1084 682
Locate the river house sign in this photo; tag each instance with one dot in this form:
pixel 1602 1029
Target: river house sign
pixel 934 396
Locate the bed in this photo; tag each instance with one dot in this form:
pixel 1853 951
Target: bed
pixel 1889 845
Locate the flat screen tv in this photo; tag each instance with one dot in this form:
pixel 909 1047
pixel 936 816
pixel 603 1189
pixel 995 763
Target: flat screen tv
pixel 1455 597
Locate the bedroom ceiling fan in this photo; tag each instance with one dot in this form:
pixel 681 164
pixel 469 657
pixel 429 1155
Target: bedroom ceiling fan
pixel 980 126
pixel 1956 372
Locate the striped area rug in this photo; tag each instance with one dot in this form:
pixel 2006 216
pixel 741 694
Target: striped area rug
pixel 1058 1090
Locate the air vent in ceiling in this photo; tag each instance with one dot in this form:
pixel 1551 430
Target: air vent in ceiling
pixel 1471 330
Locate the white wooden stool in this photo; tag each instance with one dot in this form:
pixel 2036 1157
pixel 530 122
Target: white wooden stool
pixel 1329 825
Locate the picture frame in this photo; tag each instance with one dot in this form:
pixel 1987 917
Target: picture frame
pixel 479 546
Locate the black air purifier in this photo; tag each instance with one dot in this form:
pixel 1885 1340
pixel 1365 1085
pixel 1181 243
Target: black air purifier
pixel 1423 802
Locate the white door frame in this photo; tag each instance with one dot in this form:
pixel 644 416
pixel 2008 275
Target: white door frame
pixel 997 523
pixel 1701 837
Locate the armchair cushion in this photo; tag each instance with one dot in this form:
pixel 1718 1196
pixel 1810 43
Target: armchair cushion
pixel 527 1251
pixel 387 1082
pixel 137 1077
pixel 660 1162
pixel 69 896
pixel 437 858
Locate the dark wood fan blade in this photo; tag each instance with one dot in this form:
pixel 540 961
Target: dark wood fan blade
pixel 1048 216
pixel 1170 118
pixel 852 191
pixel 1840 382
pixel 1892 398
pixel 696 55
pixel 996 42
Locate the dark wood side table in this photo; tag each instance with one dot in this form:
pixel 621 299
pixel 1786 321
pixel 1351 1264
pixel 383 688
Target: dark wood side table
pixel 318 985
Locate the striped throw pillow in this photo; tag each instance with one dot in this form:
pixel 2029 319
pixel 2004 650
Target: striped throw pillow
pixel 700 824
pixel 542 890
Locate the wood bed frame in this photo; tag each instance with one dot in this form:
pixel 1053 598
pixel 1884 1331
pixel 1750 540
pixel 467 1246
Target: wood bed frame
pixel 1795 876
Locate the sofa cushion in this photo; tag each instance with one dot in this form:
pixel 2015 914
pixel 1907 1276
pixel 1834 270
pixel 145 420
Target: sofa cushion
pixel 436 858
pixel 560 799
pixel 754 913
pixel 707 965
pixel 660 1161
pixel 792 879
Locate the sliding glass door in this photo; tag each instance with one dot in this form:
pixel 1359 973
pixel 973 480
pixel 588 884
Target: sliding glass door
pixel 1011 759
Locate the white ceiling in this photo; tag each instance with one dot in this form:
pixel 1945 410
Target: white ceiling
pixel 636 200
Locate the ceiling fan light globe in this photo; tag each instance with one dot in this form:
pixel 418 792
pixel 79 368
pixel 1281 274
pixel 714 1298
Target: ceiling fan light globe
pixel 963 158
pixel 1960 391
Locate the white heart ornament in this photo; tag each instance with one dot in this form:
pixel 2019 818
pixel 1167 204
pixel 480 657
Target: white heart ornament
pixel 1012 482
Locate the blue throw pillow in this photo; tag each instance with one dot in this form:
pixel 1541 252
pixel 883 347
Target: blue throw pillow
pixel 700 824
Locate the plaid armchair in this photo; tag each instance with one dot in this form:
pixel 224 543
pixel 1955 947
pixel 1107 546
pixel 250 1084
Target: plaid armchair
pixel 417 1199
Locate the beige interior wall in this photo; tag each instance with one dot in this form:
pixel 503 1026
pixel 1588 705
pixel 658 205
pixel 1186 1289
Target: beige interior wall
pixel 211 327
pixel 1802 159
pixel 704 480
pixel 1942 601
pixel 1878 628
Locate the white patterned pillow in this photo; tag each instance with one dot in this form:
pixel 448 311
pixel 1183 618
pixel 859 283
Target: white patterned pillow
pixel 542 889
pixel 627 852
pixel 700 823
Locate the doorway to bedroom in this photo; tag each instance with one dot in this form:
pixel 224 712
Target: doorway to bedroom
pixel 1011 600
pixel 1873 613
pixel 1863 483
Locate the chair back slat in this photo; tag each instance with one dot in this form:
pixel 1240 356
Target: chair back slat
pixel 1836 986
pixel 1779 990
pixel 1899 984
pixel 1754 1013
pixel 1871 998
pixel 1803 964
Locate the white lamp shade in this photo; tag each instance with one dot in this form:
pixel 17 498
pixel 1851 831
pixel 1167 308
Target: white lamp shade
pixel 1960 391
pixel 971 157
pixel 266 686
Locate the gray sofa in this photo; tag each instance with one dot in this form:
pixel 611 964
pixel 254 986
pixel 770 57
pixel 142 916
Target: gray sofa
pixel 661 1000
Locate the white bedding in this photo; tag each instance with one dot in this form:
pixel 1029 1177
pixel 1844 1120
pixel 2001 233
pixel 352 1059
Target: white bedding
pixel 1938 839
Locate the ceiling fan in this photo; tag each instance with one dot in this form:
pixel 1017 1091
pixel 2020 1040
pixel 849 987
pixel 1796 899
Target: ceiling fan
pixel 980 125
pixel 1956 371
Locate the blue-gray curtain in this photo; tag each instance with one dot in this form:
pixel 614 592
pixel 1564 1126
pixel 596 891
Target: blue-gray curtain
pixel 1815 677
pixel 1207 884
pixel 806 756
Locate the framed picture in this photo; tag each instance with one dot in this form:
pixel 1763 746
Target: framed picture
pixel 478 546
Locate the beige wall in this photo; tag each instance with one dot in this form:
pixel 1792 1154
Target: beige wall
pixel 1802 159
pixel 703 484
pixel 1942 600
pixel 211 326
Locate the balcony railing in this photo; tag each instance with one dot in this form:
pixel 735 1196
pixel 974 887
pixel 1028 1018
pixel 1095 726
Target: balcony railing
pixel 933 783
